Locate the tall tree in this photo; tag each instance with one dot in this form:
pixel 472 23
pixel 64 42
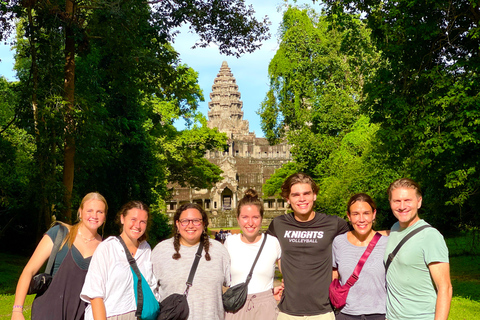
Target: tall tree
pixel 229 23
pixel 316 80
pixel 426 97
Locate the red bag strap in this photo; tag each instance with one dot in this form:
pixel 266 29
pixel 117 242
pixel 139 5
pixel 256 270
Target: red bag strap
pixel 354 277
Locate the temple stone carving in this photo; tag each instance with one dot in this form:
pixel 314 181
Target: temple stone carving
pixel 247 162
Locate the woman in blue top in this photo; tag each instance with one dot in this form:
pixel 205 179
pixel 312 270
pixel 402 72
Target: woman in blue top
pixel 367 297
pixel 62 299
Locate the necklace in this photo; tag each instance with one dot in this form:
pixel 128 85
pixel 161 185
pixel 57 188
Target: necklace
pixel 86 240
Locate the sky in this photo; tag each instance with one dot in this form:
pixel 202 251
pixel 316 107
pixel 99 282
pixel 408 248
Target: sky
pixel 250 70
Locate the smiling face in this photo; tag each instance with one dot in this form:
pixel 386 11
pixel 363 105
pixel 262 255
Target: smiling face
pixel 190 233
pixel 405 203
pixel 134 223
pixel 361 216
pixel 250 221
pixel 301 200
pixel 92 214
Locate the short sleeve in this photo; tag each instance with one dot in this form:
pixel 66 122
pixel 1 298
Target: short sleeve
pixel 226 243
pixel 278 248
pixel 52 232
pixel 271 229
pixel 334 250
pixel 96 279
pixel 435 248
pixel 343 226
pixel 226 267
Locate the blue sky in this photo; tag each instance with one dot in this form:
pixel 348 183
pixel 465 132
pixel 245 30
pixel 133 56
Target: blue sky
pixel 250 70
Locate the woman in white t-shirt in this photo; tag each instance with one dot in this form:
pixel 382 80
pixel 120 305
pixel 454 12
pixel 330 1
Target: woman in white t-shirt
pixel 243 249
pixel 109 287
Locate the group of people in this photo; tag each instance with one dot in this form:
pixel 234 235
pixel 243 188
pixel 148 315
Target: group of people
pixel 93 278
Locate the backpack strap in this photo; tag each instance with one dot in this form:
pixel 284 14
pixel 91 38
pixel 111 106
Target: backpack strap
pixel 133 265
pixel 256 258
pixel 405 239
pixel 356 272
pixel 198 255
pixel 62 232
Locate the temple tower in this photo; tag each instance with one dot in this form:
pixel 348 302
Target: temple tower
pixel 247 161
pixel 225 106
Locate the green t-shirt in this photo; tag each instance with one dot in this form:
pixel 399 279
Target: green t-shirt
pixel 410 289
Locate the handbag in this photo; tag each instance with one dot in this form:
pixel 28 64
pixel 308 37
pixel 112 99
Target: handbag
pixel 41 281
pixel 235 297
pixel 147 305
pixel 175 306
pixel 401 243
pixel 338 293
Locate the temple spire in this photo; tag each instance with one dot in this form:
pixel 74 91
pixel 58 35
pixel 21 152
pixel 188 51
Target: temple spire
pixel 225 106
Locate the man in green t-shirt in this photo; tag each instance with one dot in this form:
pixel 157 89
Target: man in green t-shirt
pixel 418 279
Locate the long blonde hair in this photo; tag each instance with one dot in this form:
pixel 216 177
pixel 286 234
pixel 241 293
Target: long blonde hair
pixel 72 230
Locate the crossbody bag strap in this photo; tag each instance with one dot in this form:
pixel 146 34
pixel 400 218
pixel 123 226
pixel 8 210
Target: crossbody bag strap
pixel 356 272
pixel 405 239
pixel 249 277
pixel 135 269
pixel 56 246
pixel 198 255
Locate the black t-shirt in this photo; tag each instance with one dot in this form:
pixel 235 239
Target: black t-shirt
pixel 306 261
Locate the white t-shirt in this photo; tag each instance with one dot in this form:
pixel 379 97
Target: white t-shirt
pixel 242 256
pixel 110 277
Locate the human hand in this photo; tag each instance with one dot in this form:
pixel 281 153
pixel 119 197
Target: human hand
pixel 278 291
pixel 17 315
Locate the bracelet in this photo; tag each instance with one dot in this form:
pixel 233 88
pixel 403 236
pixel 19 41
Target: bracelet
pixel 17 311
pixel 17 306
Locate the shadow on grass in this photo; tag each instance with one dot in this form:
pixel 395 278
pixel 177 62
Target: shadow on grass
pixel 465 273
pixel 10 270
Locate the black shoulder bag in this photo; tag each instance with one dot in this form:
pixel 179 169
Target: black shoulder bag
pixel 175 306
pixel 405 239
pixel 235 297
pixel 41 281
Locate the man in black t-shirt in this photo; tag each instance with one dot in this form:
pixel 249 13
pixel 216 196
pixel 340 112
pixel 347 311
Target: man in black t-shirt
pixel 305 237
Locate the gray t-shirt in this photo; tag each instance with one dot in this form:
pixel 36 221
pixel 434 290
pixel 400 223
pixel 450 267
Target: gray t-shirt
pixel 369 294
pixel 205 295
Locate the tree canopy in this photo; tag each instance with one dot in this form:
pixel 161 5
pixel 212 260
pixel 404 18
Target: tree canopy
pixel 425 97
pixel 408 103
pixel 99 88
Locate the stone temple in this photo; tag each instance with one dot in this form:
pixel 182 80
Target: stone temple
pixel 247 162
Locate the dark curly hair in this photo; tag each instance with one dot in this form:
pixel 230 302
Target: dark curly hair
pixel 176 234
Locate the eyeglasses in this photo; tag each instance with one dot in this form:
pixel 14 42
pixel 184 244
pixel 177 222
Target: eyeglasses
pixel 186 222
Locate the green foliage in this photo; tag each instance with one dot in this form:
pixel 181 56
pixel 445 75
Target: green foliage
pixel 425 98
pixel 274 183
pixel 129 88
pixel 316 82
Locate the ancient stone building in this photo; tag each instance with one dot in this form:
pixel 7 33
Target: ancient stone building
pixel 247 162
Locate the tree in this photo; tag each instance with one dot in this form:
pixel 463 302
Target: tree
pixel 316 80
pixel 228 23
pixel 425 98
pixel 16 170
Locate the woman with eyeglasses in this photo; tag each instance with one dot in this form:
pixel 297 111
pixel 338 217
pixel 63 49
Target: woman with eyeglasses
pixel 172 260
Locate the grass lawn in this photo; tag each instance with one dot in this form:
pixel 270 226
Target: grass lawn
pixel 465 273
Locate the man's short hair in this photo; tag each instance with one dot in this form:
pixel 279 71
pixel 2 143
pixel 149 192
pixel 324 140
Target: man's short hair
pixel 295 178
pixel 404 183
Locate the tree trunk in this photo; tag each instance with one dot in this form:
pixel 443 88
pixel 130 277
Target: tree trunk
pixel 44 213
pixel 69 92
